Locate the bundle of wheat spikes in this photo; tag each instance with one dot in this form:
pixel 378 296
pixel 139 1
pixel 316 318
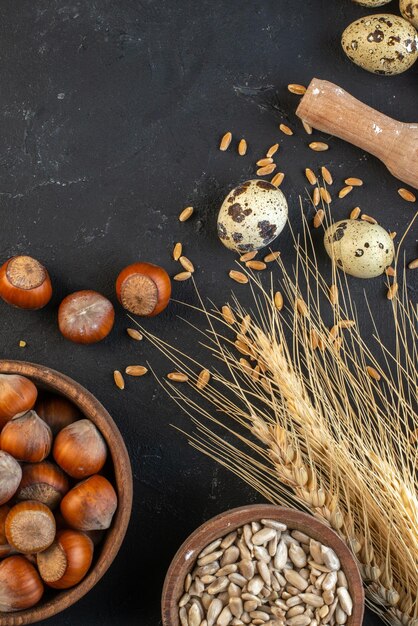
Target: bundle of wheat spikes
pixel 312 419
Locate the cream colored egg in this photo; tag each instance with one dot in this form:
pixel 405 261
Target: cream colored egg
pixel 372 3
pixel 409 9
pixel 382 43
pixel 359 248
pixel 251 216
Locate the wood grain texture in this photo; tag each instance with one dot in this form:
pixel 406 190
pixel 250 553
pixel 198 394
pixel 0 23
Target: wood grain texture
pixel 54 381
pixel 219 526
pixel 332 110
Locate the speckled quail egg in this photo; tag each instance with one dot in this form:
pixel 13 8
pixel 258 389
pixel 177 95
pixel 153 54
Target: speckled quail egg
pixel 251 216
pixel 409 9
pixel 383 44
pixel 372 3
pixel 359 248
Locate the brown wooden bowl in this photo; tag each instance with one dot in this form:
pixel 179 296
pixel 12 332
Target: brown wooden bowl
pixel 51 380
pixel 221 525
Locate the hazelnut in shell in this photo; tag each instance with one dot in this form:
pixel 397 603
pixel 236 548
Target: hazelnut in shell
pixel 17 395
pixel 90 505
pixel 66 562
pixel 44 482
pixel 80 449
pixel 56 411
pixel 20 584
pixel 143 289
pixel 10 476
pixel 25 283
pixel 30 527
pixel 27 438
pixel 85 317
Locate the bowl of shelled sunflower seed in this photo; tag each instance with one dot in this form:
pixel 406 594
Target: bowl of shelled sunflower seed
pixel 263 565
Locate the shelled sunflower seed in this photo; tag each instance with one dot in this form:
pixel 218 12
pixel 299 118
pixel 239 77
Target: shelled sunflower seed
pixel 267 575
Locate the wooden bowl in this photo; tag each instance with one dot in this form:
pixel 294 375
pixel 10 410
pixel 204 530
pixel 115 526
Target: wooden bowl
pixel 51 380
pixel 223 524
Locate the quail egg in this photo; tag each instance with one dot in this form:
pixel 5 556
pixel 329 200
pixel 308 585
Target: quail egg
pixel 381 43
pixel 372 3
pixel 359 248
pixel 251 216
pixel 409 9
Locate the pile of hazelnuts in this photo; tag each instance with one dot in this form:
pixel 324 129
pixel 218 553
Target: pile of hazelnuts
pixel 85 316
pixel 55 503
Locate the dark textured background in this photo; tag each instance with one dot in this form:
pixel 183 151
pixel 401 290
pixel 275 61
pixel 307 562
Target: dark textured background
pixel 110 117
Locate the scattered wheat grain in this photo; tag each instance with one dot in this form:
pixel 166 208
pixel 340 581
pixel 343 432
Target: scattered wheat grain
pixel 413 264
pixel 272 256
pixel 182 276
pixel 239 277
pixel 325 195
pixel 310 176
pixel 318 218
pixel 392 234
pixel 266 170
pixel 285 129
pixel 225 141
pixel 326 175
pixel 368 218
pixel 203 379
pixel 278 300
pixel 136 370
pixel 277 179
pixel 345 191
pixel 353 182
pixel 333 333
pixel 242 147
pixel 256 265
pixel 316 198
pixel 177 251
pixel 248 256
pixel 186 214
pixel 264 161
pixel 406 195
pixel 186 264
pixel 118 378
pixel 307 127
pixel 318 146
pixel 177 377
pixel 298 90
pixel 228 315
pixel 346 323
pixel 314 339
pixel 272 150
pixel 390 271
pixel 373 373
pixel 134 334
pixel 355 213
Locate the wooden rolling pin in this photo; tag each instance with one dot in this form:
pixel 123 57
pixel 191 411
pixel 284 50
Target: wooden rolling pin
pixel 332 110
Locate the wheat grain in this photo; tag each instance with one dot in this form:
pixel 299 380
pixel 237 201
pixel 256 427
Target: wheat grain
pixel 118 378
pixel 413 264
pixel 353 182
pixel 318 146
pixel 310 176
pixel 177 251
pixel 316 197
pixel 368 218
pixel 298 90
pixel 225 141
pixel 242 147
pixel 134 334
pixel 307 127
pixel 285 129
pixel 136 370
pixel 325 195
pixel 318 218
pixel 266 170
pixel 406 195
pixel 248 256
pixel 264 161
pixel 256 265
pixel 277 179
pixel 326 175
pixel 186 264
pixel 239 277
pixel 181 276
pixel 355 213
pixel 228 315
pixel 272 150
pixel 186 214
pixel 271 256
pixel 345 191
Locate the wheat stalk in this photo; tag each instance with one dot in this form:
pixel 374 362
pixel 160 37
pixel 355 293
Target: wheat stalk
pixel 312 429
